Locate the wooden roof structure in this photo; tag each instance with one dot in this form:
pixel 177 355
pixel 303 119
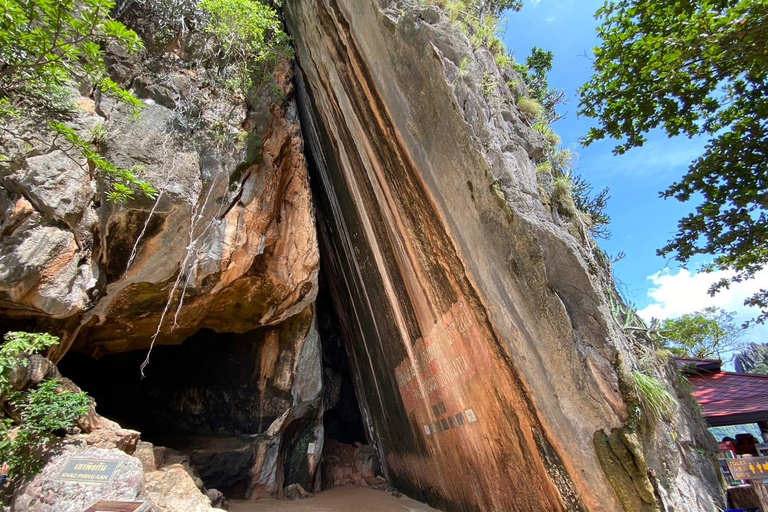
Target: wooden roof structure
pixel 727 398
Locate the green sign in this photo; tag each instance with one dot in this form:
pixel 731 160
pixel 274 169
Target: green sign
pixel 88 470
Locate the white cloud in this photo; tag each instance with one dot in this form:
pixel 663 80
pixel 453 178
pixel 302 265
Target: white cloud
pixel 550 19
pixel 676 294
pixel 535 2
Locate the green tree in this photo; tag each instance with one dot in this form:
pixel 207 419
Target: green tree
pixel 249 35
pixel 694 67
pixel 534 73
pixel 706 334
pixel 47 46
pixel 43 412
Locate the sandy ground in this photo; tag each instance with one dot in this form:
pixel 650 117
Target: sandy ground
pixel 340 499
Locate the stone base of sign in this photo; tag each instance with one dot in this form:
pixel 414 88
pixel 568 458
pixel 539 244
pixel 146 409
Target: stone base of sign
pixel 120 506
pixel 48 492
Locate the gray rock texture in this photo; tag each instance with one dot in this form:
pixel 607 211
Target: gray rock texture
pixel 46 493
pixel 231 236
pixel 228 246
pixel 488 363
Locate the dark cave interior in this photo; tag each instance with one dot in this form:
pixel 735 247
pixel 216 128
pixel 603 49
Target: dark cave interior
pixel 206 398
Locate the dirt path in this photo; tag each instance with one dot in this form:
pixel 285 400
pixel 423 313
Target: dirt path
pixel 340 499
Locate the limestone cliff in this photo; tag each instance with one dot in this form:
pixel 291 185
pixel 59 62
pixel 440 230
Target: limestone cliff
pixel 229 246
pixel 487 360
pixel 490 369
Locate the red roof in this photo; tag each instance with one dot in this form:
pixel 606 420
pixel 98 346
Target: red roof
pixel 731 398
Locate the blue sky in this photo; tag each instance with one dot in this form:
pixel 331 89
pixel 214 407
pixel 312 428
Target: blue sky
pixel 641 221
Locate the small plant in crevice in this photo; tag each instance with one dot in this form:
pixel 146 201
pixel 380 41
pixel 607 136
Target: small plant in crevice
pixel 630 323
pixel 489 85
pixel 657 402
pixel 530 108
pixel 561 194
pixel 550 137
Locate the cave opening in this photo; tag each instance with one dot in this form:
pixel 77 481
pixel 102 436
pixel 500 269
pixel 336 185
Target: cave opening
pixel 217 398
pixel 342 420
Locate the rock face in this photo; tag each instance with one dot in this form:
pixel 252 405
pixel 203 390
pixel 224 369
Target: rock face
pixel 490 370
pixel 228 249
pixel 229 244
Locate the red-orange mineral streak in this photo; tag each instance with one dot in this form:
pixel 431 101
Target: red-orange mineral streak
pixel 448 356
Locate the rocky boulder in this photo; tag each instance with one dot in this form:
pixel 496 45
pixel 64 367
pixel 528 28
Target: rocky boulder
pixel 173 489
pixel 56 488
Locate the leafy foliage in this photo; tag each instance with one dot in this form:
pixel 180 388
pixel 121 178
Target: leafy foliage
pixel 124 181
pixel 249 34
pixel 44 412
pixel 706 334
pixel 695 67
pixel 534 74
pixel 46 44
pixel 17 344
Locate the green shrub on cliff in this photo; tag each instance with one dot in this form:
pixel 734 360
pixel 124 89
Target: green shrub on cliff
pixel 657 401
pixel 38 415
pixel 249 34
pixel 13 352
pixel 49 46
pixel 44 414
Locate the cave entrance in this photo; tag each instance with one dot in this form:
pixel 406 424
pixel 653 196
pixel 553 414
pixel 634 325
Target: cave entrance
pixel 205 399
pixel 212 401
pixel 342 420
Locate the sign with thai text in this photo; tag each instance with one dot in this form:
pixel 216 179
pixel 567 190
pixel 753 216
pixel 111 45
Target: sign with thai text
pixel 88 470
pixel 748 468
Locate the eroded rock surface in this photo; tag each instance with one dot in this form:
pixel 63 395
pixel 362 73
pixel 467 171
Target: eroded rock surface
pixel 229 245
pixel 47 493
pixel 482 342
